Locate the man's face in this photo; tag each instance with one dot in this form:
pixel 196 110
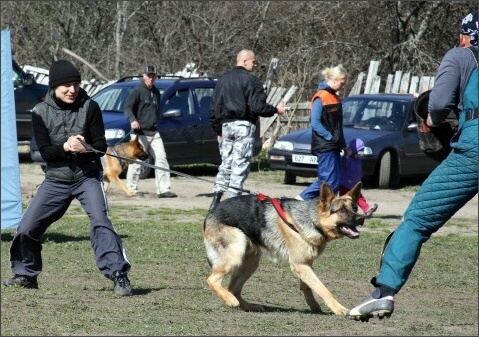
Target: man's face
pixel 250 62
pixel 149 79
pixel 67 92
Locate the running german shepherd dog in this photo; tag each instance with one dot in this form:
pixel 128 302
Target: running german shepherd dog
pixel 239 229
pixel 113 167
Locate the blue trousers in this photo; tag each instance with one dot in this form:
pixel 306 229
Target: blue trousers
pixel 49 204
pixel 329 171
pixel 447 189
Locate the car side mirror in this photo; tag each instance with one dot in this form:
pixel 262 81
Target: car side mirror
pixel 412 127
pixel 171 113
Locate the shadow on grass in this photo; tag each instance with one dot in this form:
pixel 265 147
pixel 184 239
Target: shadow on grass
pixel 135 291
pixel 274 309
pixel 54 237
pixel 289 310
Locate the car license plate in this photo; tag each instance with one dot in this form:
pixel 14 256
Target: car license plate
pixel 305 159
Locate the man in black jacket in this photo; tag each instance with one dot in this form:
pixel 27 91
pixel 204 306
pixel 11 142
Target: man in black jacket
pixel 238 101
pixel 141 109
pixel 61 123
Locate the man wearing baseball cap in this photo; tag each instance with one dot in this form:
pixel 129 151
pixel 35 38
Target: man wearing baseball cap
pixel 141 109
pixel 66 118
pixel 448 188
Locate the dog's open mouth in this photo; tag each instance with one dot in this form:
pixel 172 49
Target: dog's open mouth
pixel 349 231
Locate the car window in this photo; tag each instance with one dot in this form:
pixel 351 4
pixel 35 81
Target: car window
pixel 112 98
pixel 374 114
pixel 204 99
pixel 181 100
pixel 17 77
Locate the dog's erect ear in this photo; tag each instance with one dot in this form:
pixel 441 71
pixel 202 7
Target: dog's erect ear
pixel 326 194
pixel 355 191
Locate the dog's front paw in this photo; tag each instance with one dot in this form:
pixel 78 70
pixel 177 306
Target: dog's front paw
pixel 341 311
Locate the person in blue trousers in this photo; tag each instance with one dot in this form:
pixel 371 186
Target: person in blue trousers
pixel 448 188
pixel 327 139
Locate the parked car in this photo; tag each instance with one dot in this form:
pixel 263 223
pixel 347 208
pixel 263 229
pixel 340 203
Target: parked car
pixel 387 125
pixel 27 94
pixel 184 122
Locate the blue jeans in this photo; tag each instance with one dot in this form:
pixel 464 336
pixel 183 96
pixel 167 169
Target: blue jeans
pixel 329 171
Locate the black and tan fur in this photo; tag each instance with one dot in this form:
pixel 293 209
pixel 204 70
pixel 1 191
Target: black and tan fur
pixel 113 167
pixel 240 229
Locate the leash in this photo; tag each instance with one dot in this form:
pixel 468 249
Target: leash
pixel 261 197
pixel 121 140
pixel 90 148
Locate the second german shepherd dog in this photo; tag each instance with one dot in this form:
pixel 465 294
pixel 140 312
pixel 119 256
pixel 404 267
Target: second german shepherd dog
pixel 239 229
pixel 113 167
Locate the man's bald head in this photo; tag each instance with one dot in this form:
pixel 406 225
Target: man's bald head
pixel 246 59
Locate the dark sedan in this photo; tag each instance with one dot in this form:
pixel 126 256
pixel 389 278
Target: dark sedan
pixel 387 125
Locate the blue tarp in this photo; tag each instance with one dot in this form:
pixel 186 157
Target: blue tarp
pixel 11 197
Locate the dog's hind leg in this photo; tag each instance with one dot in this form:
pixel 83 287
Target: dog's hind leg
pixel 308 295
pixel 215 281
pixel 225 248
pixel 239 278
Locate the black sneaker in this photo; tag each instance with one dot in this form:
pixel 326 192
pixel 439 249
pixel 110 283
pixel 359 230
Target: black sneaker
pixel 372 307
pixel 22 281
pixel 122 284
pixel 167 195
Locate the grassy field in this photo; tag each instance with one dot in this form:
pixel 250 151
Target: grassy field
pixel 168 275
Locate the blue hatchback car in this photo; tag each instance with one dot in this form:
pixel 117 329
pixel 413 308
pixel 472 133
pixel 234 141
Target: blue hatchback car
pixel 387 125
pixel 183 123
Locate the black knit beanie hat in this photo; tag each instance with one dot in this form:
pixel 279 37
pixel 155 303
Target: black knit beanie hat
pixel 62 71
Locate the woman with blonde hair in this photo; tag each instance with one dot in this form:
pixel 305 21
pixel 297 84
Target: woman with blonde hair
pixel 327 139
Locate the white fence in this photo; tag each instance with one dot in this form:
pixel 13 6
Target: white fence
pixel 398 82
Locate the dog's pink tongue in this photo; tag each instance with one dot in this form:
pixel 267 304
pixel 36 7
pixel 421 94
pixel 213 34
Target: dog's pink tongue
pixel 350 232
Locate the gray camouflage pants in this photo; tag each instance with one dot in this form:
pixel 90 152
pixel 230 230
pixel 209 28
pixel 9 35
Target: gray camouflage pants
pixel 236 149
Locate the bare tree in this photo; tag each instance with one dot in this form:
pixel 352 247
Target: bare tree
pixel 306 36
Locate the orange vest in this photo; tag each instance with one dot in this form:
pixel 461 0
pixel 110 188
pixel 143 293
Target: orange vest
pixel 331 119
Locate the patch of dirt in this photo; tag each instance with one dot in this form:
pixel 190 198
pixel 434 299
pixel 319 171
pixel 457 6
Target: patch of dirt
pixel 197 193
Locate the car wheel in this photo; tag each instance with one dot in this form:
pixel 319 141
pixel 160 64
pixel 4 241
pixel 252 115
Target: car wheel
pixel 145 170
pixel 289 178
pixel 384 177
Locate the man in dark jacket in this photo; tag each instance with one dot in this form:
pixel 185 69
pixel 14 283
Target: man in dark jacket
pixel 238 101
pixel 61 123
pixel 141 109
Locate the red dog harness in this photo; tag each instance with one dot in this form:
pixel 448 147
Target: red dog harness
pixel 279 209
